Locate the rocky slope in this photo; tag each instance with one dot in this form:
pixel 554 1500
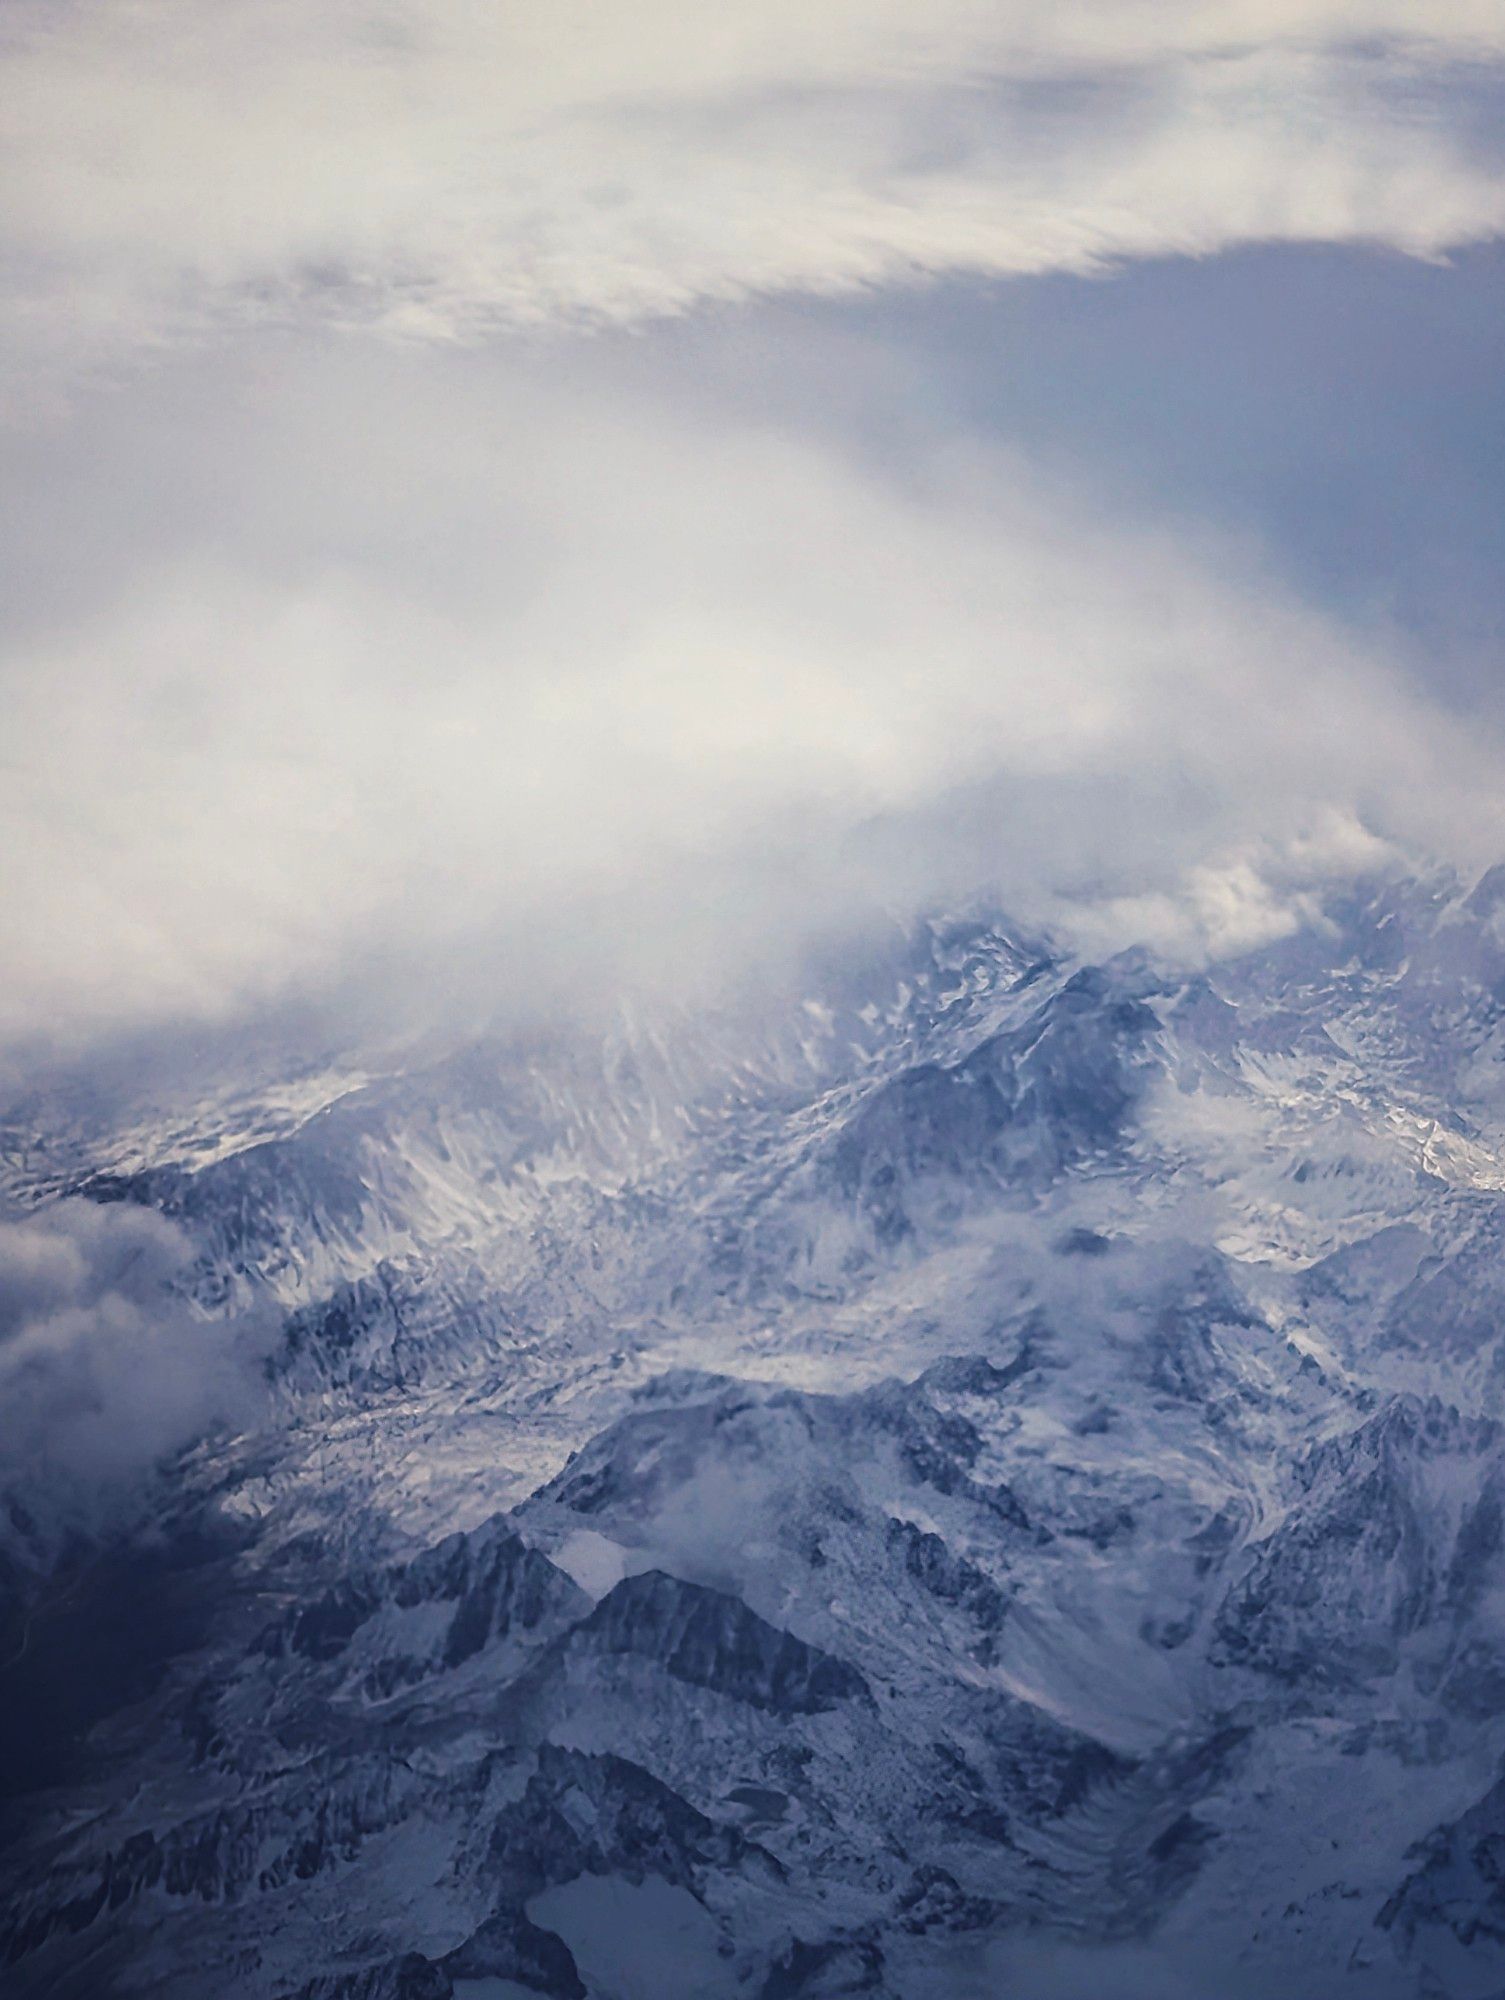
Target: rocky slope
pixel 981 1476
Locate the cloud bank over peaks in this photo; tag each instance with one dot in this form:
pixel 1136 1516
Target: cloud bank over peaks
pixel 633 697
pixel 437 170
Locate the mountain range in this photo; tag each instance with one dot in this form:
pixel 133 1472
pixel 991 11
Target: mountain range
pixel 973 1473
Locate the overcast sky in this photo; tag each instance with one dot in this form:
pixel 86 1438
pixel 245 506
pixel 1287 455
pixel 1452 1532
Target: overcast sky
pixel 584 494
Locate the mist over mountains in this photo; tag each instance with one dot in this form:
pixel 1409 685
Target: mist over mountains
pixel 985 1477
pixel 753 910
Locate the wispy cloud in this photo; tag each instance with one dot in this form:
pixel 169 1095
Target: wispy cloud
pixel 437 169
pixel 102 1367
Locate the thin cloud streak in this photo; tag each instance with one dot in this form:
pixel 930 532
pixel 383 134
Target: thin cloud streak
pixel 439 171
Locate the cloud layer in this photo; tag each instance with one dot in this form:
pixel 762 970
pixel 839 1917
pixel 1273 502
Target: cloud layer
pixel 571 686
pixel 331 656
pixel 438 169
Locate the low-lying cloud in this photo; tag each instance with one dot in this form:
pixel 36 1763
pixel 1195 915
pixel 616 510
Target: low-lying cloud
pixel 531 667
pixel 103 1368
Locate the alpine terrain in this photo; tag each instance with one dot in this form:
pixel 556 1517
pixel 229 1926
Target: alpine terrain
pixel 978 1475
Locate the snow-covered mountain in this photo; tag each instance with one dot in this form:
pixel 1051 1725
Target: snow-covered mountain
pixel 982 1476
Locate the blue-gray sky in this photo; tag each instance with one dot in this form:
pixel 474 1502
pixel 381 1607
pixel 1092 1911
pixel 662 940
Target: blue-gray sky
pixel 540 488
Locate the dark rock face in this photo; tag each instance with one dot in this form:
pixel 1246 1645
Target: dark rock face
pixel 1356 1568
pixel 952 1579
pixel 715 1642
pixel 1459 1885
pixel 497 1585
pixel 410 1977
pixel 597 1815
pixel 251 1846
pixel 939 1448
pixel 353 1337
pixel 822 1971
pixel 511 1946
pixel 323 1630
pixel 1030 1102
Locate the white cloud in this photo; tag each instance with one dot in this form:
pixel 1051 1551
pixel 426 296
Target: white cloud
pixel 571 685
pixel 441 169
pixel 399 646
pixel 103 1370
